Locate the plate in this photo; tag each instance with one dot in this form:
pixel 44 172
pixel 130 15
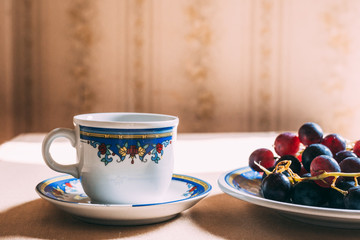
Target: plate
pixel 244 184
pixel 66 193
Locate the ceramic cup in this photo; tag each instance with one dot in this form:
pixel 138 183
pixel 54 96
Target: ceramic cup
pixel 122 158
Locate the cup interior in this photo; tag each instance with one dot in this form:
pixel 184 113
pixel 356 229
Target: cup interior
pixel 126 120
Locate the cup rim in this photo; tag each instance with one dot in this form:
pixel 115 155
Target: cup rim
pixel 126 120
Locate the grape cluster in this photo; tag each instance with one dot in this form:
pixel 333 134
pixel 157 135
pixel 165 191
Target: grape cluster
pixel 311 169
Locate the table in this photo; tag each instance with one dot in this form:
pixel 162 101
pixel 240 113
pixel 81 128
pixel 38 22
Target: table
pixel 24 215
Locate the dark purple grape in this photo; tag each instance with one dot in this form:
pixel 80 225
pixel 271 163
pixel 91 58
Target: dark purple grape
pixel 339 156
pixel 309 193
pixel 276 186
pixel 350 165
pixel 334 142
pixel 312 152
pixel 324 163
pixel 336 198
pixel 352 199
pixel 287 143
pixel 264 157
pixel 305 175
pixel 310 133
pixel 264 174
pixel 271 169
pixel 295 163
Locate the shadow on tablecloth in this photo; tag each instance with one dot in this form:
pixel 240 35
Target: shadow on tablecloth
pixel 231 218
pixel 40 219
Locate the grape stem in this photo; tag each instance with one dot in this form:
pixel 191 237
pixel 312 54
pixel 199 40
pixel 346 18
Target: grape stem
pixel 331 174
pixel 285 166
pixel 267 172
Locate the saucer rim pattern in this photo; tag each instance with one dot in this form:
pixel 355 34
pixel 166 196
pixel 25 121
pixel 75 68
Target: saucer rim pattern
pixel 125 214
pixel 40 189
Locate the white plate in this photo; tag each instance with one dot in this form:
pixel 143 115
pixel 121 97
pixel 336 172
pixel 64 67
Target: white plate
pixel 244 184
pixel 66 193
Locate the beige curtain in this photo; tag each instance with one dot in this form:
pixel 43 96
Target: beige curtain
pixel 235 65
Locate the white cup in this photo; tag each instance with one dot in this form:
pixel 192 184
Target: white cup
pixel 122 158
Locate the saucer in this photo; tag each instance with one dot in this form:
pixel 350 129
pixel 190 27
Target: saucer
pixel 66 193
pixel 244 184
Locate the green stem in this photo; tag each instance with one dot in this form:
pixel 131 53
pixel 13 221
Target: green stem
pixel 267 172
pixel 331 174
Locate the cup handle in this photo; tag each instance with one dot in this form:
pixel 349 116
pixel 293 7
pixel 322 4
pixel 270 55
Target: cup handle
pixel 50 137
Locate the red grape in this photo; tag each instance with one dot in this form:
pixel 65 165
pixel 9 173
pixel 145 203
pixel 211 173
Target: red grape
pixel 334 142
pixel 324 163
pixel 299 157
pixel 356 149
pixel 310 133
pixel 303 171
pixel 264 157
pixel 287 143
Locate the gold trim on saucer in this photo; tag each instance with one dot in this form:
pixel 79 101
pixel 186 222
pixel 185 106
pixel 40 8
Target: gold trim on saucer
pixel 52 180
pixel 235 174
pixel 198 181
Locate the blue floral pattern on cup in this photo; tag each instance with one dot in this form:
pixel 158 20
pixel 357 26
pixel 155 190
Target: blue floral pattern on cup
pixel 141 145
pixel 137 151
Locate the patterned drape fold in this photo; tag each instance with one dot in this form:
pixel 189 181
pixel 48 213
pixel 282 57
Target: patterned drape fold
pixel 248 65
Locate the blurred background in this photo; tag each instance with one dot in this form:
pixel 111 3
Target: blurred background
pixel 221 66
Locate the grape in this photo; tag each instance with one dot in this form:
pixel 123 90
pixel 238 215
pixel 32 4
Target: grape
pixel 295 165
pixel 336 198
pixel 265 175
pixel 271 169
pixel 350 165
pixel 313 151
pixel 352 199
pixel 334 142
pixel 321 154
pixel 299 157
pixel 321 164
pixel 305 175
pixel 309 193
pixel 287 143
pixel 303 171
pixel 339 156
pixel 276 186
pixel 356 149
pixel 264 157
pixel 310 133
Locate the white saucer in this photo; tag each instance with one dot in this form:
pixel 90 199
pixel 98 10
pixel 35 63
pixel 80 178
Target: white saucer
pixel 66 193
pixel 244 184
